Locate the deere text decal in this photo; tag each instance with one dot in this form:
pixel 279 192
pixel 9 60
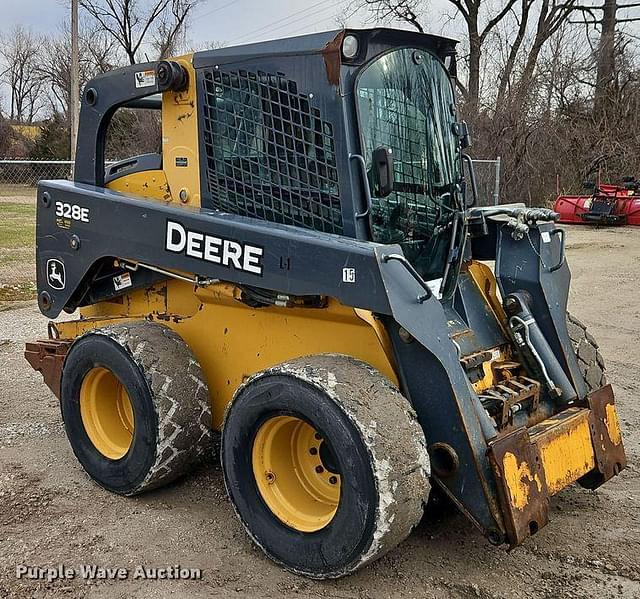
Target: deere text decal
pixel 216 250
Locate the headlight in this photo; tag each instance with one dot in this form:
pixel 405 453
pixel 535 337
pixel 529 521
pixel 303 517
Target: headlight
pixel 350 46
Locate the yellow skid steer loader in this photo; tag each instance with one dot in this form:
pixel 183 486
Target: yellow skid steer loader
pixel 302 268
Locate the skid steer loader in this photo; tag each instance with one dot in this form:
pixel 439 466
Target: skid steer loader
pixel 302 269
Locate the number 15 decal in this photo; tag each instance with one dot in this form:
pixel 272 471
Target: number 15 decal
pixel 72 211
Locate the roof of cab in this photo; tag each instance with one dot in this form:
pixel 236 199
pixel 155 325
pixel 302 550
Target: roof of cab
pixel 314 43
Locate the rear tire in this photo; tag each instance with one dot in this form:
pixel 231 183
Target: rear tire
pixel 589 358
pixel 135 406
pixel 325 464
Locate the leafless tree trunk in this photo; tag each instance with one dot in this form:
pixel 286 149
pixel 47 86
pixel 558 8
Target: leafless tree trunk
pixel 553 14
pixel 606 58
pixel 514 50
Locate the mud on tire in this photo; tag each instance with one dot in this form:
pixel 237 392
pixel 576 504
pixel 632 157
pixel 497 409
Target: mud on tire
pixel 376 444
pixel 169 401
pixel 589 358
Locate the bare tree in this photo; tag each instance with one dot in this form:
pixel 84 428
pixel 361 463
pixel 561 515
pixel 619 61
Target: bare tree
pixel 134 24
pixel 553 14
pixel 170 32
pixel 400 10
pixel 96 55
pixel 20 51
pixel 610 46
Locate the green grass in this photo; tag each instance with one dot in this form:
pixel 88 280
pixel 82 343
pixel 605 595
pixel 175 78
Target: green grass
pixel 17 225
pixel 17 243
pixel 7 190
pixel 13 293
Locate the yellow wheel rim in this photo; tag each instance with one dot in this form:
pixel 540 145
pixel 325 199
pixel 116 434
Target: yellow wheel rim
pixel 106 412
pixel 295 473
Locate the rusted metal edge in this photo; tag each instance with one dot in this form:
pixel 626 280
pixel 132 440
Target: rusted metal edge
pixel 522 487
pixel 47 358
pixel 332 54
pixel 606 438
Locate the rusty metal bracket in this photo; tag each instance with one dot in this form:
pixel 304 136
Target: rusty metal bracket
pixel 47 358
pixel 606 438
pixel 522 486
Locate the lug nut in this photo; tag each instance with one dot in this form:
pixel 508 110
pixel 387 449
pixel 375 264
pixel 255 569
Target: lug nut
pixel 319 469
pixel 333 480
pixel 313 451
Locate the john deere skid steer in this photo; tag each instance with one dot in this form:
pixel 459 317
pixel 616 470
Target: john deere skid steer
pixel 302 268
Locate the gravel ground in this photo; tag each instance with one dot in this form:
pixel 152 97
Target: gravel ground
pixel 51 513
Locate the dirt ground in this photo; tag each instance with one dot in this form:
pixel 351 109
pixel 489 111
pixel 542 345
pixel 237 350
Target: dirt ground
pixel 51 513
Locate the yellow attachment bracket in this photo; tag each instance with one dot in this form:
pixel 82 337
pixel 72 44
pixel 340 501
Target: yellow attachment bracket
pixel 580 444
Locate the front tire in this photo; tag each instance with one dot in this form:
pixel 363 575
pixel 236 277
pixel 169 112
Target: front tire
pixel 135 406
pixel 325 464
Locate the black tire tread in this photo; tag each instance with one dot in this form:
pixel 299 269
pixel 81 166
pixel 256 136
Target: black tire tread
pixel 393 437
pixel 179 393
pixel 586 347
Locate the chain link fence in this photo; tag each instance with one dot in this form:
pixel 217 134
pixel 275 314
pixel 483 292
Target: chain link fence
pixel 18 180
pixel 488 180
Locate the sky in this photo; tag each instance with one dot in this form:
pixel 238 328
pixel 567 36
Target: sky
pixel 227 21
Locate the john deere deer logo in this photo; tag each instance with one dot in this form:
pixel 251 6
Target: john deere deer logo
pixel 55 273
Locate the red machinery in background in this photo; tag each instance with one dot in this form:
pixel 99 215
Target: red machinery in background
pixel 607 205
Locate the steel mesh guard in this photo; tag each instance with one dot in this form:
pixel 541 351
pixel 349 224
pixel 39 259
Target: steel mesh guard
pixel 395 122
pixel 269 153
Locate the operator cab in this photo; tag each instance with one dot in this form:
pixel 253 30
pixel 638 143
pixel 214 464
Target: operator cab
pixel 297 144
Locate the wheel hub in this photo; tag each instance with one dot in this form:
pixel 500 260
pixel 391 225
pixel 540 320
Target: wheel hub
pixel 296 473
pixel 106 412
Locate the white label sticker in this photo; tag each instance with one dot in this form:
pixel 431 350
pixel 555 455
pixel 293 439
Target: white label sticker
pixel 145 78
pixel 545 236
pixel 348 275
pixel 122 281
pixel 434 285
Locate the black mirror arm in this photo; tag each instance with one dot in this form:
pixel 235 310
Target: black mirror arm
pixel 472 175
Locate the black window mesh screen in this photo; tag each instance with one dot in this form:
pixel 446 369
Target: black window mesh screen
pixel 269 153
pixel 393 121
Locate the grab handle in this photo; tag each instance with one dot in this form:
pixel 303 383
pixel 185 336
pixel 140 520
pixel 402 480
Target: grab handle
pixel 413 272
pixel 365 183
pixel 559 232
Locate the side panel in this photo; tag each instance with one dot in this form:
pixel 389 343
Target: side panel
pixel 170 236
pixel 233 341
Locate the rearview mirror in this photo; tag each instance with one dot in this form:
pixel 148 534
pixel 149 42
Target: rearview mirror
pixel 382 171
pixel 462 131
